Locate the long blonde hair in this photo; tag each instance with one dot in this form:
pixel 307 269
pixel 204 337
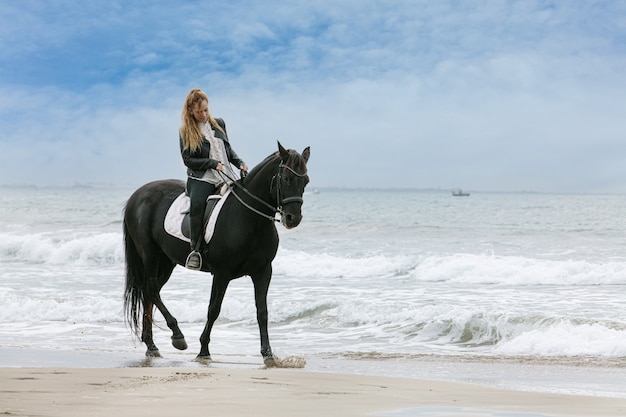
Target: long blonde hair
pixel 189 130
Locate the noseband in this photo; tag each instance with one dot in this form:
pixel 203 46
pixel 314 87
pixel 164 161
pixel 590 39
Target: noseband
pixel 280 200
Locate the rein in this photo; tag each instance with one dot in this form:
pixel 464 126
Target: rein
pixel 279 202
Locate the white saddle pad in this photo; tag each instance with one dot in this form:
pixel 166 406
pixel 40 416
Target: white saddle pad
pixel 176 213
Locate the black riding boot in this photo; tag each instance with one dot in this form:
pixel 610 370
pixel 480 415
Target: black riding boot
pixel 198 192
pixel 194 259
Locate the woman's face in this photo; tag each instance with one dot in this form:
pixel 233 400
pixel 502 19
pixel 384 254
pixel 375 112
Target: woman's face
pixel 201 111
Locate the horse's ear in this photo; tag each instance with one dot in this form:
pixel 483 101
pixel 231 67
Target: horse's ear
pixel 284 153
pixel 306 153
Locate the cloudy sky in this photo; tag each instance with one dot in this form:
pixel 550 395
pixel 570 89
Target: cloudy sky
pixel 485 95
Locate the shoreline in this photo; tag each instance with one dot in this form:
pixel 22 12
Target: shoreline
pixel 59 383
pixel 167 391
pixel 572 376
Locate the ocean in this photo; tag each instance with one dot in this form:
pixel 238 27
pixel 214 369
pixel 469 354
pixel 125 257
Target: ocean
pixel 496 288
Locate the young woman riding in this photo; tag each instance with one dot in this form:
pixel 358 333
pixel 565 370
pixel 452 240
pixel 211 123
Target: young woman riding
pixel 207 153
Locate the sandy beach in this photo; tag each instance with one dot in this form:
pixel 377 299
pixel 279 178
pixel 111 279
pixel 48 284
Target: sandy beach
pixel 176 391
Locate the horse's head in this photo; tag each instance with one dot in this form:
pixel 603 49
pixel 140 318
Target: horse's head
pixel 289 184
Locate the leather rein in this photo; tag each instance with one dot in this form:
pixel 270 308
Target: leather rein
pixel 279 201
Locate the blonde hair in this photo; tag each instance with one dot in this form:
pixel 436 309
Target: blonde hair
pixel 189 130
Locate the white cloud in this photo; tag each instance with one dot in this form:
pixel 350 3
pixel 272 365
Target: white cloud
pixel 508 95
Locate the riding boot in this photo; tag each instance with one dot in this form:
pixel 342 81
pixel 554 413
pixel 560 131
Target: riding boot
pixel 198 193
pixel 194 259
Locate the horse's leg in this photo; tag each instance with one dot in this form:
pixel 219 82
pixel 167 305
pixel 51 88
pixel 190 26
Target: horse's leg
pixel 163 270
pixel 261 283
pixel 146 333
pixel 178 339
pixel 218 290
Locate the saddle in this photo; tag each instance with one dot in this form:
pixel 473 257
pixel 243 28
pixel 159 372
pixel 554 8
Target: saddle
pixel 177 220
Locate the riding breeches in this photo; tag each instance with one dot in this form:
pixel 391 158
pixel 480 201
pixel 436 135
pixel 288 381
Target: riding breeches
pixel 198 192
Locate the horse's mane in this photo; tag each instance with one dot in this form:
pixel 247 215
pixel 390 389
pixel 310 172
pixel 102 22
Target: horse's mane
pixel 261 165
pixel 295 161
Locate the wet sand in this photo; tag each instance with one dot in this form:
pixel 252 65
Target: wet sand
pixel 91 383
pixel 177 391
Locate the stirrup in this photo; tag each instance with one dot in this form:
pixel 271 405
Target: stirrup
pixel 194 261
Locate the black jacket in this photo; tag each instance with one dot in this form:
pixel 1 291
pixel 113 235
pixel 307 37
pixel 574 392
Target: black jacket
pixel 198 162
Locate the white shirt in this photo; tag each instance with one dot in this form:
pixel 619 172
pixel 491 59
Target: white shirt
pixel 217 152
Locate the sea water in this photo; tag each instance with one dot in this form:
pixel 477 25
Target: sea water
pixel 371 279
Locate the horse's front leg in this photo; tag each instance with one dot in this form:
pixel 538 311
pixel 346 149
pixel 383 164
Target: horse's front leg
pixel 261 283
pixel 218 290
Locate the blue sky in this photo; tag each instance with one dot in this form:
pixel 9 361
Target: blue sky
pixel 484 95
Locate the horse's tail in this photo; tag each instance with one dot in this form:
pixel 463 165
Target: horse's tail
pixel 135 283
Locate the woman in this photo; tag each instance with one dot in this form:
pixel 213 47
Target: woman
pixel 207 154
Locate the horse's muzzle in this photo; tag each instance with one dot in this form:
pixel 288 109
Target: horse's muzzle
pixel 291 220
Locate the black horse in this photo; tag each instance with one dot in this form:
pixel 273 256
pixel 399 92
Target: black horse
pixel 244 242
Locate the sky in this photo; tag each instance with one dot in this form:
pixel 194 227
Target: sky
pixel 486 95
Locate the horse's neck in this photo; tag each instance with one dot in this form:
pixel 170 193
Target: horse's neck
pixel 259 183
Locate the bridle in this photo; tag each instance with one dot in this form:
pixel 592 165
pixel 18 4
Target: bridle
pixel 277 178
pixel 280 199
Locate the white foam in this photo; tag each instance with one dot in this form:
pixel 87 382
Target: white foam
pixel 107 249
pixel 568 339
pixel 60 248
pixel 331 267
pixel 517 270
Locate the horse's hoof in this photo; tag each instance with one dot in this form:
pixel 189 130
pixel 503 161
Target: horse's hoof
pixel 153 353
pixel 179 342
pixel 203 358
pixel 270 362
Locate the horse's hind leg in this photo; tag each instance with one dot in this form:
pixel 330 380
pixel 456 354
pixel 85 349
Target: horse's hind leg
pixel 146 333
pixel 165 268
pixel 157 275
pixel 178 339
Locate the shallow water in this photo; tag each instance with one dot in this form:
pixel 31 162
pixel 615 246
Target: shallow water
pixel 370 279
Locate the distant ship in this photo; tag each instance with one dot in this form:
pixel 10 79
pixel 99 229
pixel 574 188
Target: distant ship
pixel 459 193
